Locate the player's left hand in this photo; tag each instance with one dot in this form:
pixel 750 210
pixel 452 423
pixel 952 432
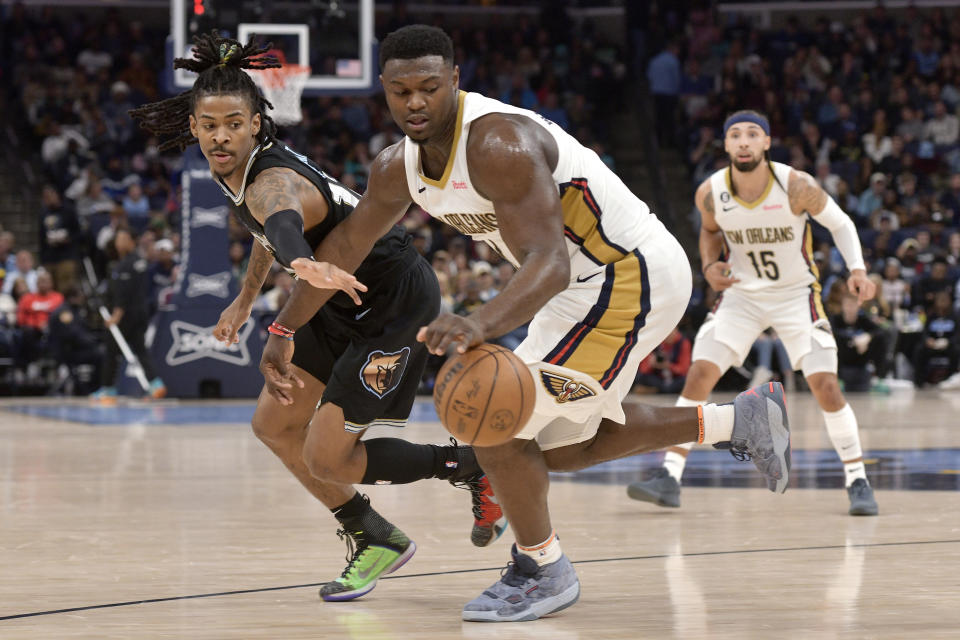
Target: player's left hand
pixel 448 330
pixel 324 275
pixel 858 283
pixel 278 377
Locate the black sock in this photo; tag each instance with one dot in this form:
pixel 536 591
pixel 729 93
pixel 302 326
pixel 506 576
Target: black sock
pixel 360 519
pixel 352 508
pixel 395 461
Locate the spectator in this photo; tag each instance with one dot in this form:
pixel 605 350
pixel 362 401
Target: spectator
pixel 764 347
pixel 935 357
pixel 860 341
pixel 663 74
pixel 871 200
pixel 943 129
pixel 72 339
pixel 483 272
pixel 33 315
pixel 665 370
pixel 59 230
pixel 933 283
pixel 23 270
pixel 8 260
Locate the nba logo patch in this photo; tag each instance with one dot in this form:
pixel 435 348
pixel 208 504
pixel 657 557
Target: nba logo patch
pixel 382 372
pixel 450 464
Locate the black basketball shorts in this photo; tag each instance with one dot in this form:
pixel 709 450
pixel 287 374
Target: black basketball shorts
pixel 368 355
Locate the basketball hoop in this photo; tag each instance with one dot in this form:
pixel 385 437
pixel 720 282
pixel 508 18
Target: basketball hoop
pixel 283 87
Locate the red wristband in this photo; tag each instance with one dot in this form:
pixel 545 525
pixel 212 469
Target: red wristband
pixel 281 331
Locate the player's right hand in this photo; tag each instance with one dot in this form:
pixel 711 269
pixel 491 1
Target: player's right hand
pixel 278 377
pixel 719 277
pixel 232 318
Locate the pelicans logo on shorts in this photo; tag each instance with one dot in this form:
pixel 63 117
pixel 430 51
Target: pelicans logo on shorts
pixel 565 389
pixel 383 371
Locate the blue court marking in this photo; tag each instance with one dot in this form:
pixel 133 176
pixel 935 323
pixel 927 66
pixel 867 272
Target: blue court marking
pixel 902 469
pixel 161 413
pixel 155 414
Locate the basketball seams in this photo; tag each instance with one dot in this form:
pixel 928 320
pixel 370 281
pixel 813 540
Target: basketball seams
pixel 493 386
pixel 505 397
pixel 461 378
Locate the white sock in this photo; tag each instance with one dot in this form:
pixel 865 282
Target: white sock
pixel 717 422
pixel 845 436
pixel 674 462
pixel 546 552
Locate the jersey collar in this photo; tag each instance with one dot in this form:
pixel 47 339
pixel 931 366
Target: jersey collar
pixel 238 198
pixel 442 182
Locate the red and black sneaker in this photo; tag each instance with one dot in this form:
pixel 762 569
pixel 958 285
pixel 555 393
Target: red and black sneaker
pixel 489 523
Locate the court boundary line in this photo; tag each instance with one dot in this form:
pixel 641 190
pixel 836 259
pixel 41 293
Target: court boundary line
pixel 198 596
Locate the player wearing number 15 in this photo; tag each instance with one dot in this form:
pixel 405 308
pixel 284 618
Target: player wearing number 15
pixel 755 245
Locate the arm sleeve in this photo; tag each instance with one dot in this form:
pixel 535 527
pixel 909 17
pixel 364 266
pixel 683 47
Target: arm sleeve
pixel 284 230
pixel 844 233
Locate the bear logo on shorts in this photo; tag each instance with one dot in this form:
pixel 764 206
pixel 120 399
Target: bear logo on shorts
pixel 382 372
pixel 565 389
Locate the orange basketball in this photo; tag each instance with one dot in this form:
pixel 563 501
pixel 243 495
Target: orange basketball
pixel 485 396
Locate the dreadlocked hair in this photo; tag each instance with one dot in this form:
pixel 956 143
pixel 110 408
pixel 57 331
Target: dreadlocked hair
pixel 219 63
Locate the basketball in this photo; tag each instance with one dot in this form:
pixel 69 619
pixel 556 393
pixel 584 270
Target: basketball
pixel 485 396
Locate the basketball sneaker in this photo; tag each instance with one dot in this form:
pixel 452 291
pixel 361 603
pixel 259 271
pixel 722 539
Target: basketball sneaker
pixel 104 395
pixel 157 389
pixel 489 523
pixel 761 432
pixel 661 489
pixel 368 559
pixel 862 502
pixel 526 591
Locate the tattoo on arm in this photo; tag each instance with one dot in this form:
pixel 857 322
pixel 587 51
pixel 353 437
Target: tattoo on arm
pixel 274 190
pixel 257 267
pixel 805 194
pixel 708 202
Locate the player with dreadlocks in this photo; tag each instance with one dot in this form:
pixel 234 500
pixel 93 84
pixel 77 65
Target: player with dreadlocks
pixel 362 363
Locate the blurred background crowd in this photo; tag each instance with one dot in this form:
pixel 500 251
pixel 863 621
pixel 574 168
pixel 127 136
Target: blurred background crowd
pixel 867 104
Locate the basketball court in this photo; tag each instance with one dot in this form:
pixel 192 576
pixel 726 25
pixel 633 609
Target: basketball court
pixel 170 520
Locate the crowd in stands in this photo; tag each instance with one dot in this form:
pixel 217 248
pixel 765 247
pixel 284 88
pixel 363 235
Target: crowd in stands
pixel 72 80
pixel 869 107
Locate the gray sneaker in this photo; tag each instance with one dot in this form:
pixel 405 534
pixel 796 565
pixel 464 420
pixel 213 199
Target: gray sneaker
pixel 862 502
pixel 661 489
pixel 526 591
pixel 761 431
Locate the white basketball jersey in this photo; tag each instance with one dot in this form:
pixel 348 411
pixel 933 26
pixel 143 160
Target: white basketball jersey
pixel 603 220
pixel 770 247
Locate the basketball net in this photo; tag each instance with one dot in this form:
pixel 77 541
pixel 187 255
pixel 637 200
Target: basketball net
pixel 283 87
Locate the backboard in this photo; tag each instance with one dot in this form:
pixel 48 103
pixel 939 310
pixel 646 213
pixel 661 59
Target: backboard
pixel 335 39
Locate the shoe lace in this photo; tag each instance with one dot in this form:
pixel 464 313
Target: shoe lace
pixel 475 487
pixel 356 545
pixel 739 452
pixel 512 575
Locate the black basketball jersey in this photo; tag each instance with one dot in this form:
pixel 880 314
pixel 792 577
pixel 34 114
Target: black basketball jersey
pixel 390 255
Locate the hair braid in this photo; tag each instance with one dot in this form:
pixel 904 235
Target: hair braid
pixel 219 63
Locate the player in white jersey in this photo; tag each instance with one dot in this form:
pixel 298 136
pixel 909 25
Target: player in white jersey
pixel 600 279
pixel 755 243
